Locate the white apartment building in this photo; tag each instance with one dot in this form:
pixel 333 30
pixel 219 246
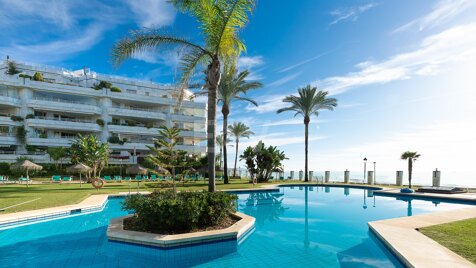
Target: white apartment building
pixel 126 113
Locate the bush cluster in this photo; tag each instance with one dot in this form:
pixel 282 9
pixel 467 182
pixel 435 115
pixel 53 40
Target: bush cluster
pixel 38 77
pixel 115 89
pixel 161 212
pixel 100 122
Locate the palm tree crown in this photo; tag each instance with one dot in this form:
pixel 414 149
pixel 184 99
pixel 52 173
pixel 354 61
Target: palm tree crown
pixel 220 22
pixel 309 102
pixel 411 156
pixel 238 130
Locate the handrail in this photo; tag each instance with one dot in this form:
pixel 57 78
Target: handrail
pixel 63 119
pixel 62 101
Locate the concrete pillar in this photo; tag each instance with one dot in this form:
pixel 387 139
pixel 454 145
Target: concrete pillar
pixel 311 173
pixel 25 95
pixel 399 178
pixel 370 177
pixel 327 176
pixel 436 178
pixel 301 175
pixel 291 174
pixel 346 176
pixel 327 189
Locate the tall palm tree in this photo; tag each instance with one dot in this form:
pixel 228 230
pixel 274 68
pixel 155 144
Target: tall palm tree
pixel 411 156
pixel 238 130
pixel 233 87
pixel 309 102
pixel 220 22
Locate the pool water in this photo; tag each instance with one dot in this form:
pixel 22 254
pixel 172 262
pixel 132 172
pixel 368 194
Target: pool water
pixel 295 227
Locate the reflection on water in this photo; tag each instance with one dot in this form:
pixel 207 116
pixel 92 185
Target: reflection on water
pixel 268 205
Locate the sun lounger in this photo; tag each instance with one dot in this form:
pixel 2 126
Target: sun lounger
pixel 107 178
pixel 138 178
pixel 127 178
pixel 56 178
pixel 441 190
pixel 145 177
pixel 117 178
pixel 67 178
pixel 153 177
pixel 3 179
pixel 22 179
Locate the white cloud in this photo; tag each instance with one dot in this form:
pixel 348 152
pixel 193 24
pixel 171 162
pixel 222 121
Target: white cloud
pixel 442 12
pixel 456 44
pixel 268 104
pixel 246 62
pixel 284 80
pixel 152 13
pixel 302 63
pixel 351 14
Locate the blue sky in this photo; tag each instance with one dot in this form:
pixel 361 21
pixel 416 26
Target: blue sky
pixel 403 71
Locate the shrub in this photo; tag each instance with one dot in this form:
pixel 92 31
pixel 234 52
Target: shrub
pixel 115 89
pixel 28 116
pixel 161 212
pixel 12 68
pixel 21 134
pixel 131 123
pixel 100 122
pixel 16 118
pixel 149 125
pixel 43 136
pixel 25 76
pixel 116 140
pixel 38 77
pixel 5 169
pixel 102 84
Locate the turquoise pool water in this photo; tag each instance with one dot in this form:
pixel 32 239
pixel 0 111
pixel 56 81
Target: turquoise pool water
pixel 295 227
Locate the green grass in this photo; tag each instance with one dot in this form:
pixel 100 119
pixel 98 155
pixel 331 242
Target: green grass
pixel 459 236
pixel 59 194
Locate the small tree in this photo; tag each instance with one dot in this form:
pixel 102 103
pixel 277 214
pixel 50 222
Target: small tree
pixel 238 130
pixel 38 77
pixel 164 154
pixel 90 151
pixel 261 160
pixel 56 154
pixel 410 156
pixel 12 68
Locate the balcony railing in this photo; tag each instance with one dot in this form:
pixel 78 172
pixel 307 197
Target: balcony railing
pixel 62 101
pixel 64 119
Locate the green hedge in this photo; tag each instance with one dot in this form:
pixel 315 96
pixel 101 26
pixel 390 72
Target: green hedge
pixel 161 212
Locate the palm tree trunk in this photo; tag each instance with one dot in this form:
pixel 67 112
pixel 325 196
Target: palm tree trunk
pixel 225 112
pixel 213 80
pixel 410 168
pixel 236 158
pixel 306 141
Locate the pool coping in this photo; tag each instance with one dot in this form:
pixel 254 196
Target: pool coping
pixel 116 232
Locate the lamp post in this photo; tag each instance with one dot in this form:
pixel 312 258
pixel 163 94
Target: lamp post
pixel 365 168
pixel 375 173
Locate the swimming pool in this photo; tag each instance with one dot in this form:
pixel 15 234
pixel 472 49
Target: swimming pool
pixel 295 226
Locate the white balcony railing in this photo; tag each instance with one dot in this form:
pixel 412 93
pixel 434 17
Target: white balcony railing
pixel 192 148
pixel 50 142
pixel 63 123
pixel 9 100
pixel 193 134
pixel 7 121
pixel 63 105
pixel 188 118
pixel 7 139
pixel 137 113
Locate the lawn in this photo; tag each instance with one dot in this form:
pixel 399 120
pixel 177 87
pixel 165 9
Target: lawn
pixel 459 236
pixel 59 194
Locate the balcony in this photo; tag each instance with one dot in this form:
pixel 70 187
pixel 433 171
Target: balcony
pixel 50 87
pixel 193 134
pixel 63 106
pixel 188 118
pixel 132 130
pixel 7 139
pixel 7 121
pixel 9 100
pixel 137 113
pixel 130 146
pixel 50 142
pixel 142 98
pixel 65 124
pixel 192 148
pixel 11 157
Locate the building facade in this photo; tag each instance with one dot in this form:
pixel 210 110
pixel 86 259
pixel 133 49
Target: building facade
pixel 43 107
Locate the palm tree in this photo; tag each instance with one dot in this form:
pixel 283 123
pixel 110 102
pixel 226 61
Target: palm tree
pixel 164 154
pixel 220 22
pixel 90 151
pixel 221 144
pixel 309 102
pixel 233 87
pixel 238 130
pixel 411 156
